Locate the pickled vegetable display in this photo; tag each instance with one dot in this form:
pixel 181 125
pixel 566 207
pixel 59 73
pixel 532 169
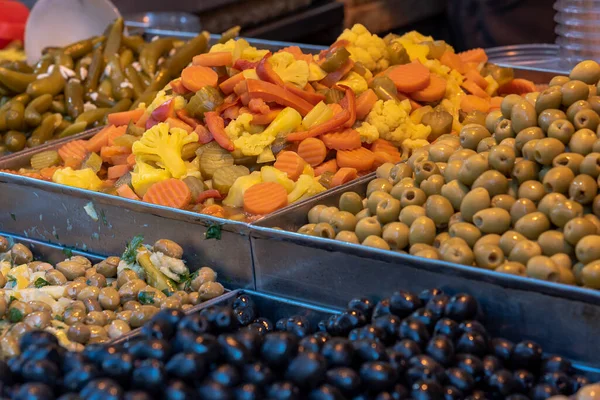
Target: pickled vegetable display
pixel 244 132
pixel 82 303
pixel 516 193
pixel 426 346
pixel 73 88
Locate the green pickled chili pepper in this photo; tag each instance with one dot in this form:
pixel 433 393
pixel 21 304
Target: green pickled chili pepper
pixel 64 124
pixel 15 117
pixel 2 120
pixel 152 52
pixel 35 108
pixel 384 88
pixel 159 81
pixel 45 131
pixel 22 98
pixel 184 55
pixel 79 49
pixel 14 80
pixel 126 57
pixel 74 97
pixel 80 70
pixel 15 141
pixel 72 129
pixel 135 43
pixel 98 41
pixel 121 88
pixel 146 80
pixel 134 78
pixel 105 88
pixel 62 59
pixel 94 71
pixel 146 98
pixel 114 35
pixel 19 66
pixel 90 117
pixel 52 84
pixel 335 60
pixel 100 99
pixel 41 67
pixel 206 99
pixel 398 54
pixel 229 34
pixel 4 92
pixel 58 106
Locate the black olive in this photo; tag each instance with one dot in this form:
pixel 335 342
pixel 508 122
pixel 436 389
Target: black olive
pixel 473 326
pixel 398 360
pixel 34 391
pixel 280 324
pixel 226 375
pixel 102 389
pixel 248 391
pixel 400 392
pixel 76 379
pixel 461 307
pixel 196 323
pixel 137 395
pixel 453 393
pixel 178 390
pixel 477 395
pixel 369 350
pixel 307 370
pixel 542 391
pixel 427 317
pixel 473 343
pixel 502 348
pixel 368 332
pixel 6 377
pixel 325 392
pixel 258 374
pixel 404 303
pixel 501 383
pixel 437 305
pixel 363 304
pixel 338 352
pixel 69 396
pixel 298 325
pixel 160 329
pixel 381 308
pixel 283 391
pixel 441 349
pixel 214 391
pixel 390 324
pixel 118 366
pixel 419 373
pixel 220 318
pixel 95 352
pixel 577 382
pixel 345 379
pixel 428 294
pixel 447 327
pixel 72 360
pixel 278 348
pixel 188 367
pixel 313 343
pixel 322 326
pixel 342 324
pixel 460 379
pixel 204 345
pixel 266 324
pixel 556 364
pixel 47 352
pixel 184 340
pixel 37 338
pixel 559 381
pixel 244 316
pixel 243 301
pixel 527 355
pixel 251 339
pixel 517 397
pixel 233 350
pixel 378 376
pixel 491 364
pixel 42 371
pixel 149 374
pixel 470 363
pixel 524 381
pixel 407 347
pixel 427 390
pixel 424 361
pixel 15 365
pixel 158 349
pixel 413 329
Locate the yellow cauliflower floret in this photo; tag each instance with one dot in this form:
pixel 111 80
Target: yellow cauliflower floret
pixel 240 125
pixel 306 186
pixel 355 82
pixel 287 121
pixel 366 48
pixel 289 69
pixel 409 145
pixel 315 73
pixel 144 175
pixel 368 133
pixel 239 48
pixel 83 178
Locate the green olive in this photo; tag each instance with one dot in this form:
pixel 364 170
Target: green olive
pixel 547 117
pixel 347 236
pixel 521 208
pixel 449 139
pixel 567 276
pixel 455 192
pixel 367 227
pixel 433 185
pixel 523 115
pixel 570 160
pixel 574 90
pixel 504 130
pixel 365 213
pixel 508 103
pixel 455 219
pixel 575 108
pixel 410 213
pixel 504 201
pixel 492 238
pixel 418 155
pixel 461 155
pixel 308 229
pixel 440 152
pixel 459 254
pixel 343 221
pixel 492 220
pixel 565 211
pixel 528 150
pixel 471 134
pixel 596 146
pixel 532 97
pixel 525 170
pixel 594 103
pixel 547 149
pixel 431 254
pixel 512 267
pixel 524 250
pixel 399 172
pixel 486 144
pixel 558 179
pixel 586 119
pixel 532 190
pixel 532 225
pixel 396 235
pixel 542 267
pixel 549 98
pixel 493 181
pixel 583 189
pixel 399 188
pixel 375 198
pixel 558 80
pixel 388 210
pixel 424 170
pixel 466 231
pixel 492 119
pixel 383 171
pixel 502 159
pixel 419 247
pixel 376 242
pixel 590 276
pixel 439 209
pixel 379 184
pixel 472 168
pixel 349 201
pixel 591 165
pixel 440 238
pixel 452 169
pixel 577 228
pixel 422 230
pixel 413 197
pixel 562 260
pixel 526 135
pixel 488 256
pixel 324 230
pixel 594 220
pixel 562 130
pixel 476 200
pixel 327 213
pixel 586 71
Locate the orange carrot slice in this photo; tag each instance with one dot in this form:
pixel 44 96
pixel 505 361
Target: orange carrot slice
pixel 495 102
pixel 108 152
pixel 343 175
pixel 411 77
pixel 381 157
pixel 474 89
pixel 177 123
pixel 313 151
pixel 215 210
pixel 452 60
pixel 75 149
pixel 99 140
pixel 347 139
pixel 382 145
pixel 474 103
pixel 473 56
pixel 195 77
pixel 170 193
pixel 125 117
pixel 48 172
pixel 517 86
pixel 433 92
pixel 361 159
pixel 120 159
pixel 117 171
pixel 476 77
pixel 228 85
pixel 72 162
pixel 290 163
pixel 327 166
pixel 365 103
pixel 216 59
pixel 127 192
pixel 116 132
pixel 264 198
pixel 131 160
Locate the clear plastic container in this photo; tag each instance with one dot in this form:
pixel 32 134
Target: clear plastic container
pixel 578 30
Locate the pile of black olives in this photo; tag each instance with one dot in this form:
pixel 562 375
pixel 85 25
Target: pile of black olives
pixel 406 346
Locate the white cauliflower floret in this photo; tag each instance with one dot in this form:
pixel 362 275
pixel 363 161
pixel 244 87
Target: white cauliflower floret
pixel 171 267
pixel 368 49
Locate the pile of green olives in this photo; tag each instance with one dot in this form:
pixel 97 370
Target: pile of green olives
pixel 516 193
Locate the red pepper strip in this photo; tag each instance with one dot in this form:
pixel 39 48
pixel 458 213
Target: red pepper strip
pixel 209 194
pixel 228 85
pixel 241 64
pixel 265 119
pixel 204 136
pixel 216 126
pixel 273 93
pixel 265 72
pixel 230 101
pixel 312 97
pixel 185 117
pixel 349 103
pixel 334 77
pixel 334 123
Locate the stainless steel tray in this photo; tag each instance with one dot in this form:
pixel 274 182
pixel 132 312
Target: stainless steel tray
pixel 331 272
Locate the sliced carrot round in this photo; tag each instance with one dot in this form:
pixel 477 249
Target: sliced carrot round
pixel 471 103
pixel 474 55
pixel 347 139
pixel 361 159
pixel 517 86
pixel 453 60
pixel 474 89
pixel 313 151
pixel 411 77
pixel 264 198
pixel 76 149
pixel 290 163
pixel 170 193
pixel 327 166
pixel 365 103
pixel 343 175
pixel 195 77
pixel 434 92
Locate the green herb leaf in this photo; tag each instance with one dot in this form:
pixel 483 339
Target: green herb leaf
pixel 167 292
pixel 59 318
pixel 146 297
pixel 187 281
pixel 41 282
pixel 11 298
pixel 129 256
pixel 67 252
pixel 213 232
pixel 15 315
